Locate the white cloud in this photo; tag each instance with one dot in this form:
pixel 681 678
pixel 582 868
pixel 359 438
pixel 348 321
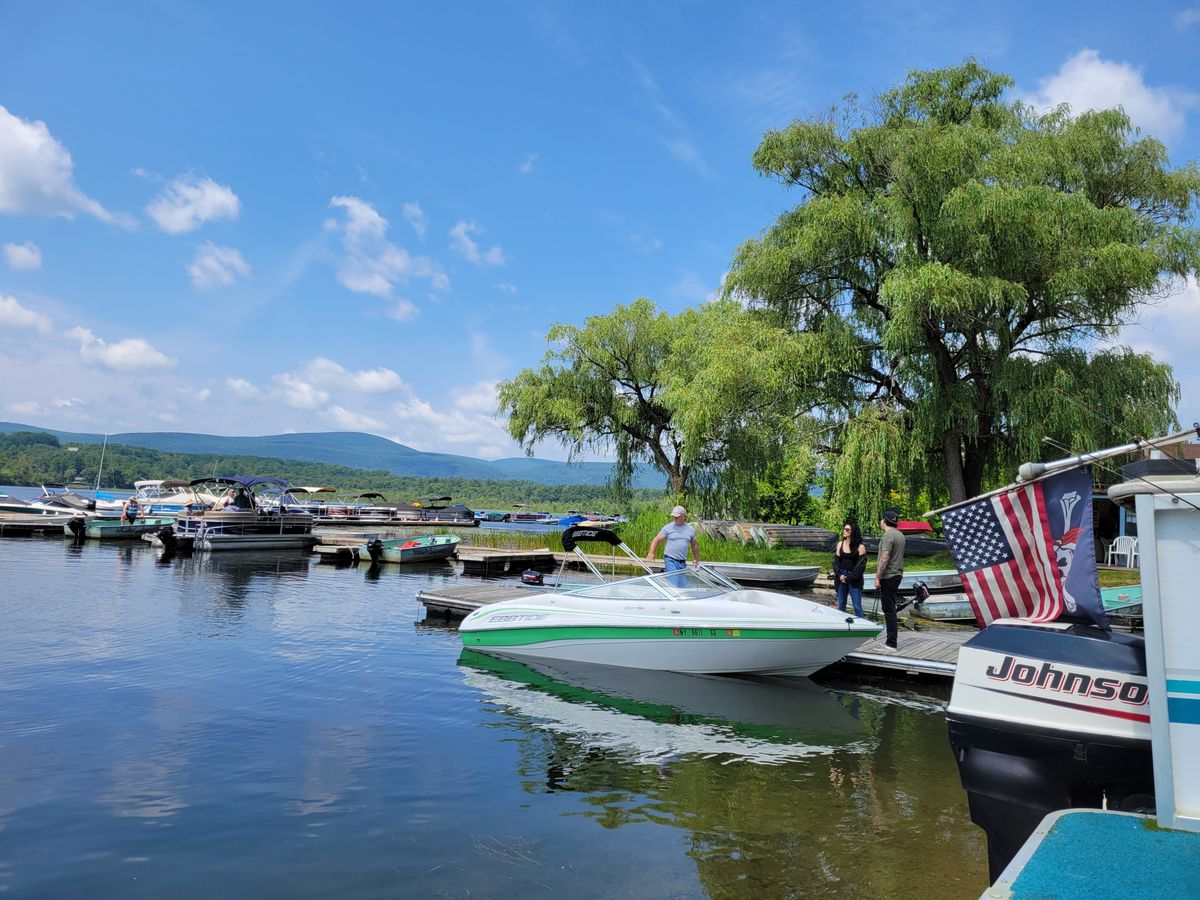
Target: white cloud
pixel 14 315
pixel 328 373
pixel 1169 331
pixel 26 408
pixel 352 421
pixel 402 310
pixel 372 264
pixel 506 287
pixel 23 257
pixel 216 267
pixel 476 398
pixel 37 173
pixel 527 166
pixel 460 239
pixel 243 388
pixel 188 202
pixel 203 394
pixel 128 355
pixel 415 216
pixel 300 394
pixel 1085 81
pixel 691 288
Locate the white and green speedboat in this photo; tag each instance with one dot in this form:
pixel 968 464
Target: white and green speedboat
pixel 694 620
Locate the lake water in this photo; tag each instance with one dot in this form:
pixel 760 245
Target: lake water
pixel 261 725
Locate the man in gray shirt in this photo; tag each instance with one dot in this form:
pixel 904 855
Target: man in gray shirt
pixel 889 569
pixel 679 535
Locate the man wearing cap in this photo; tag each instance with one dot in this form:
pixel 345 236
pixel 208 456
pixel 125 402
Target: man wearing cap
pixel 889 569
pixel 679 535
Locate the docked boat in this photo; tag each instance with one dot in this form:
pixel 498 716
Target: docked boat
pixel 164 496
pixel 956 607
pixel 919 539
pixel 408 550
pixel 694 620
pixel 260 518
pixel 97 529
pixel 936 581
pixel 752 574
pixel 1053 715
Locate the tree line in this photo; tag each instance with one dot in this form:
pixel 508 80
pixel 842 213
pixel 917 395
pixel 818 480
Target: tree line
pixel 32 458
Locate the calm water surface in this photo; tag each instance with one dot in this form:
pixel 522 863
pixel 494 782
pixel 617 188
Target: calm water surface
pixel 261 725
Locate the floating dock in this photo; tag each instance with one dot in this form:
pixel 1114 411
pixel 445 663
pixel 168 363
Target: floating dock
pixel 927 653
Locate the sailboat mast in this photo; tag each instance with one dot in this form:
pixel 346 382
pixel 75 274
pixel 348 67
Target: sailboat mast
pixel 100 470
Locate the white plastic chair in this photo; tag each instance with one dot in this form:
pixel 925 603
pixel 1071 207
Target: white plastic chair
pixel 1125 547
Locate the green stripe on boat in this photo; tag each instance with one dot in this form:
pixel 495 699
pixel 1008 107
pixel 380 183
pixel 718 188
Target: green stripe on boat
pixel 516 637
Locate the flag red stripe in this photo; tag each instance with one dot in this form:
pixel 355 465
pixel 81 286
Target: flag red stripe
pixel 1025 588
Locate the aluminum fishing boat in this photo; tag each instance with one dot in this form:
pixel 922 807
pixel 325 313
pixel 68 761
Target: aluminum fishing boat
pixel 695 620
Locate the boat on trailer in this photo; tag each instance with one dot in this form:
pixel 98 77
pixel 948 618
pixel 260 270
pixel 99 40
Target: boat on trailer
pixel 263 518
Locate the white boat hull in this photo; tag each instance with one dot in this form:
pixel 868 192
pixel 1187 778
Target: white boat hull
pixel 626 623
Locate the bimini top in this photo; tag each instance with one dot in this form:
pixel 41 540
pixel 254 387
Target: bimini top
pixel 243 480
pixel 314 490
pixel 577 533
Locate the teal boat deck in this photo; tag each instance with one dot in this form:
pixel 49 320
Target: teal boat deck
pixel 1097 855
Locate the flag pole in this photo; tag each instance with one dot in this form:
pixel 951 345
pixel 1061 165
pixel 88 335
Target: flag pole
pixel 1031 472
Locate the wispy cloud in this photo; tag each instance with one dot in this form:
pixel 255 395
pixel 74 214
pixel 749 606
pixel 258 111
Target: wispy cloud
pixel 216 267
pixel 372 264
pixel 460 240
pixel 37 173
pixel 129 355
pixel 402 310
pixel 506 287
pixel 527 166
pixel 1186 18
pixel 23 257
pixel 415 216
pixel 679 142
pixel 188 202
pixel 1086 81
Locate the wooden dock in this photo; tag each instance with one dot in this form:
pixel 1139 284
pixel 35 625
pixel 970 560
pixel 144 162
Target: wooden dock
pixel 19 526
pixel 929 652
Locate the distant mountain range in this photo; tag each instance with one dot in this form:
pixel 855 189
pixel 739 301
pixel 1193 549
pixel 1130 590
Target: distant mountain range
pixel 360 451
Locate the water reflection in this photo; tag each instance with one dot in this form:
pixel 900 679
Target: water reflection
pixel 783 787
pixel 658 716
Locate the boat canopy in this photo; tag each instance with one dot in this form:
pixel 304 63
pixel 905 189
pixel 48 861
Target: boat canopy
pixel 370 495
pixel 243 480
pixel 577 533
pixel 314 490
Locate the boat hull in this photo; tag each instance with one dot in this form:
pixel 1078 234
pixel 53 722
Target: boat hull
pixel 715 652
pixel 754 573
pixel 222 531
pixel 113 529
pixel 411 550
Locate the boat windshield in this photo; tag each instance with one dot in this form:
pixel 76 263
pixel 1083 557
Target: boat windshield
pixel 685 584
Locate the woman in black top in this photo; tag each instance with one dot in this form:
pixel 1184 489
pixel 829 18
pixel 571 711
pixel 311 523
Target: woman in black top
pixel 849 564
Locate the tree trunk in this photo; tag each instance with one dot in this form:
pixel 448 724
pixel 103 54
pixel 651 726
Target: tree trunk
pixel 952 452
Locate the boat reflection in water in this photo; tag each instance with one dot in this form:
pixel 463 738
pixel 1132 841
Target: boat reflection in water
pixel 658 716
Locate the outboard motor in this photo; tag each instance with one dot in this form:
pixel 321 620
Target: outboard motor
pixel 78 527
pixel 166 537
pixel 532 576
pixel 1046 717
pixel 375 550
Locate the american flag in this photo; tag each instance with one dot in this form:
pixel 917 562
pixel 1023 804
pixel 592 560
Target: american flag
pixel 1006 555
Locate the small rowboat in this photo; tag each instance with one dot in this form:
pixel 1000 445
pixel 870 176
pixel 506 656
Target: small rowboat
pixel 407 550
pixel 112 529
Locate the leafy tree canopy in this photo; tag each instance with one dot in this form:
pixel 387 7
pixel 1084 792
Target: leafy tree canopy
pixel 957 268
pixel 708 396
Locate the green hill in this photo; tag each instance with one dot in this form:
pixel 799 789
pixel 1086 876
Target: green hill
pixel 359 451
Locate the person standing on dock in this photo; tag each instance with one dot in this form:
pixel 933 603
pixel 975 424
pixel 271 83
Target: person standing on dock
pixel 679 536
pixel 849 566
pixel 889 569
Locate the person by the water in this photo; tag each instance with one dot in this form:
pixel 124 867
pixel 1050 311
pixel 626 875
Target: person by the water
pixel 889 569
pixel 849 567
pixel 679 535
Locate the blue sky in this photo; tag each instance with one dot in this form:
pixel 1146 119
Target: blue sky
pixel 257 218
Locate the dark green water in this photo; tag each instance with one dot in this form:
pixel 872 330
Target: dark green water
pixel 234 725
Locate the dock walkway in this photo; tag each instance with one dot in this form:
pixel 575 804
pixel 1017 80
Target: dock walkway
pixel 931 652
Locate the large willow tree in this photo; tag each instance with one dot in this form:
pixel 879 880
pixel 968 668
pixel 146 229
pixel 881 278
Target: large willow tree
pixel 957 267
pixel 708 396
